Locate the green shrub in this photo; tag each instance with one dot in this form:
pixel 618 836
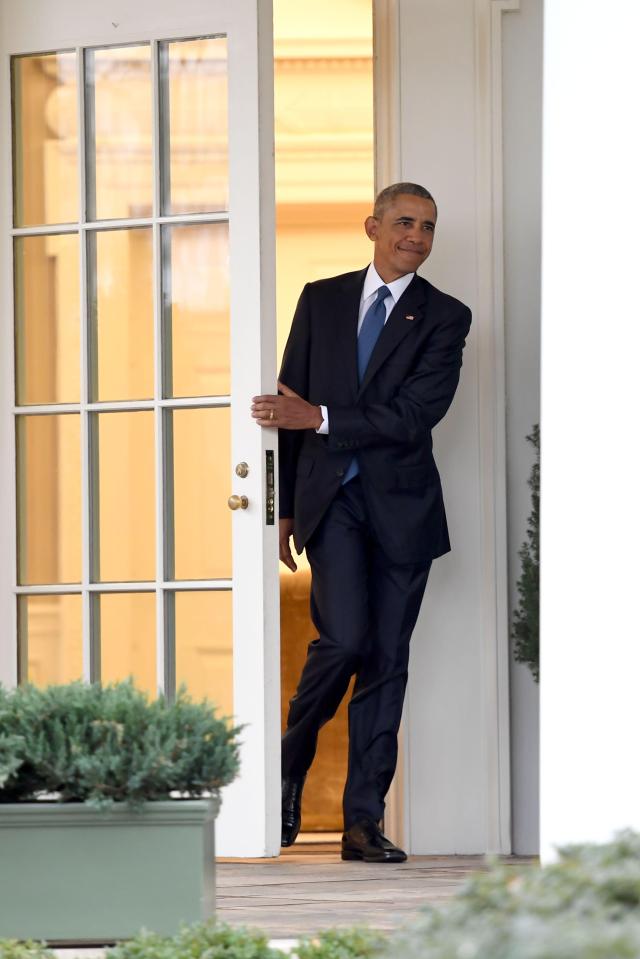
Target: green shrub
pixel 356 943
pixel 586 879
pixel 211 940
pixel 204 940
pixel 12 949
pixel 110 744
pixel 524 936
pixel 525 630
pixel 585 906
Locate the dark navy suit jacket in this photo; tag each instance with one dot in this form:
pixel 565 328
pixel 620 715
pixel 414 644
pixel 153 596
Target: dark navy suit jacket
pixel 386 420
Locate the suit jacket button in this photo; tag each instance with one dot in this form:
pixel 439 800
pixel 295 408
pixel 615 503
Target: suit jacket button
pixel 340 472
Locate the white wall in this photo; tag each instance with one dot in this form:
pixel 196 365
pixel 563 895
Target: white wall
pixel 590 707
pixel 522 138
pixel 445 710
pixel 456 762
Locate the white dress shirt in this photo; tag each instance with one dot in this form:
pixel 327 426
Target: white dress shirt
pixel 372 283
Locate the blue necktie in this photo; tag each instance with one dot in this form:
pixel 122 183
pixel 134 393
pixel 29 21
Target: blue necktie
pixel 370 330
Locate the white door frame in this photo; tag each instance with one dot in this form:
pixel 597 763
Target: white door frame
pixel 249 823
pixel 487 222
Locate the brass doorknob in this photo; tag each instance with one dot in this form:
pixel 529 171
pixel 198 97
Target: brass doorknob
pixel 242 470
pixel 237 502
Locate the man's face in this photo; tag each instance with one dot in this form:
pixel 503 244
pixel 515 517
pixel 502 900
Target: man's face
pixel 403 237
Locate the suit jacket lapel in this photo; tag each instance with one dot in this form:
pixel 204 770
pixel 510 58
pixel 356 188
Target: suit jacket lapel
pixel 406 314
pixel 346 332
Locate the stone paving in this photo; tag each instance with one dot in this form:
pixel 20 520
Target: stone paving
pixel 309 888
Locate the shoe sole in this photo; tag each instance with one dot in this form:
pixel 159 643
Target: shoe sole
pixel 285 845
pixel 349 855
pixel 291 834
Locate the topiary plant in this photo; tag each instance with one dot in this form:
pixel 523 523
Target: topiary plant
pixel 102 745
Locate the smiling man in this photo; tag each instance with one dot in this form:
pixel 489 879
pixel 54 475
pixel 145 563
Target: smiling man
pixel 371 365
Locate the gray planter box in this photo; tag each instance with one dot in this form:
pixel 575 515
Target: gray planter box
pixel 71 874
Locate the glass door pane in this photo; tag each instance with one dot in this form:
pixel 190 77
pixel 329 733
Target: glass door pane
pixel 120 273
pixel 201 455
pixel 204 645
pixel 47 318
pixel 45 138
pixel 118 104
pixel 48 458
pixel 127 638
pixel 195 300
pixel 50 639
pixel 193 91
pixel 124 477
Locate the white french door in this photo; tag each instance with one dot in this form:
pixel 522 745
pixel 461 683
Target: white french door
pixel 137 258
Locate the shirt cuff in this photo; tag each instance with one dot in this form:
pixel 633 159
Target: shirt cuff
pixel 324 426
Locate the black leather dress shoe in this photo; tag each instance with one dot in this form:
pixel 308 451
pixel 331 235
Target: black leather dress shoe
pixel 291 800
pixel 364 840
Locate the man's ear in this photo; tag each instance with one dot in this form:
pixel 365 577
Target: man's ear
pixel 371 227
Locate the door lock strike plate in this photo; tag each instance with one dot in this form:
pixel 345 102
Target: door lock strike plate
pixel 270 508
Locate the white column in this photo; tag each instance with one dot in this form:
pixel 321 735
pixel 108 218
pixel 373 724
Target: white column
pixel 590 616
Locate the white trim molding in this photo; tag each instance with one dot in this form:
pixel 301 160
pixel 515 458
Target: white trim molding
pixel 386 127
pixel 386 92
pixel 8 609
pixel 492 415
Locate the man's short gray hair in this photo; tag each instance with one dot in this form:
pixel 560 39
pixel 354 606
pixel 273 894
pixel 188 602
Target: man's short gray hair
pixel 386 197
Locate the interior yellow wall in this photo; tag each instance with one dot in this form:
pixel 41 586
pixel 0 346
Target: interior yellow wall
pixel 324 142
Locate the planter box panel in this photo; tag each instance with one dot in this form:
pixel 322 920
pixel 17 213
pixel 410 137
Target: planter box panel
pixel 68 873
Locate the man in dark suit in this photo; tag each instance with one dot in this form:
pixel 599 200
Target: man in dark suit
pixel 371 365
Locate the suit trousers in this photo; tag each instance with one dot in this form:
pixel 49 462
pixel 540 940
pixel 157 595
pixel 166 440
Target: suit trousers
pixel 364 608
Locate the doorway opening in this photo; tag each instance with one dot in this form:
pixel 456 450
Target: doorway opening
pixel 324 164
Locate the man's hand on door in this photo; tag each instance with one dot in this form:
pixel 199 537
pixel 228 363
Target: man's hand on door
pixel 288 412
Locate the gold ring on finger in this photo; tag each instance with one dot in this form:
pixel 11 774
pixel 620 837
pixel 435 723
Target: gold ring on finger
pixel 271 413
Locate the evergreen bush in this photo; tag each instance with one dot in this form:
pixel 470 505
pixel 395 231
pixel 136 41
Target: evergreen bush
pixel 525 630
pixel 213 940
pixel 204 940
pixel 585 906
pixel 102 745
pixel 561 936
pixel 356 943
pixel 12 949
